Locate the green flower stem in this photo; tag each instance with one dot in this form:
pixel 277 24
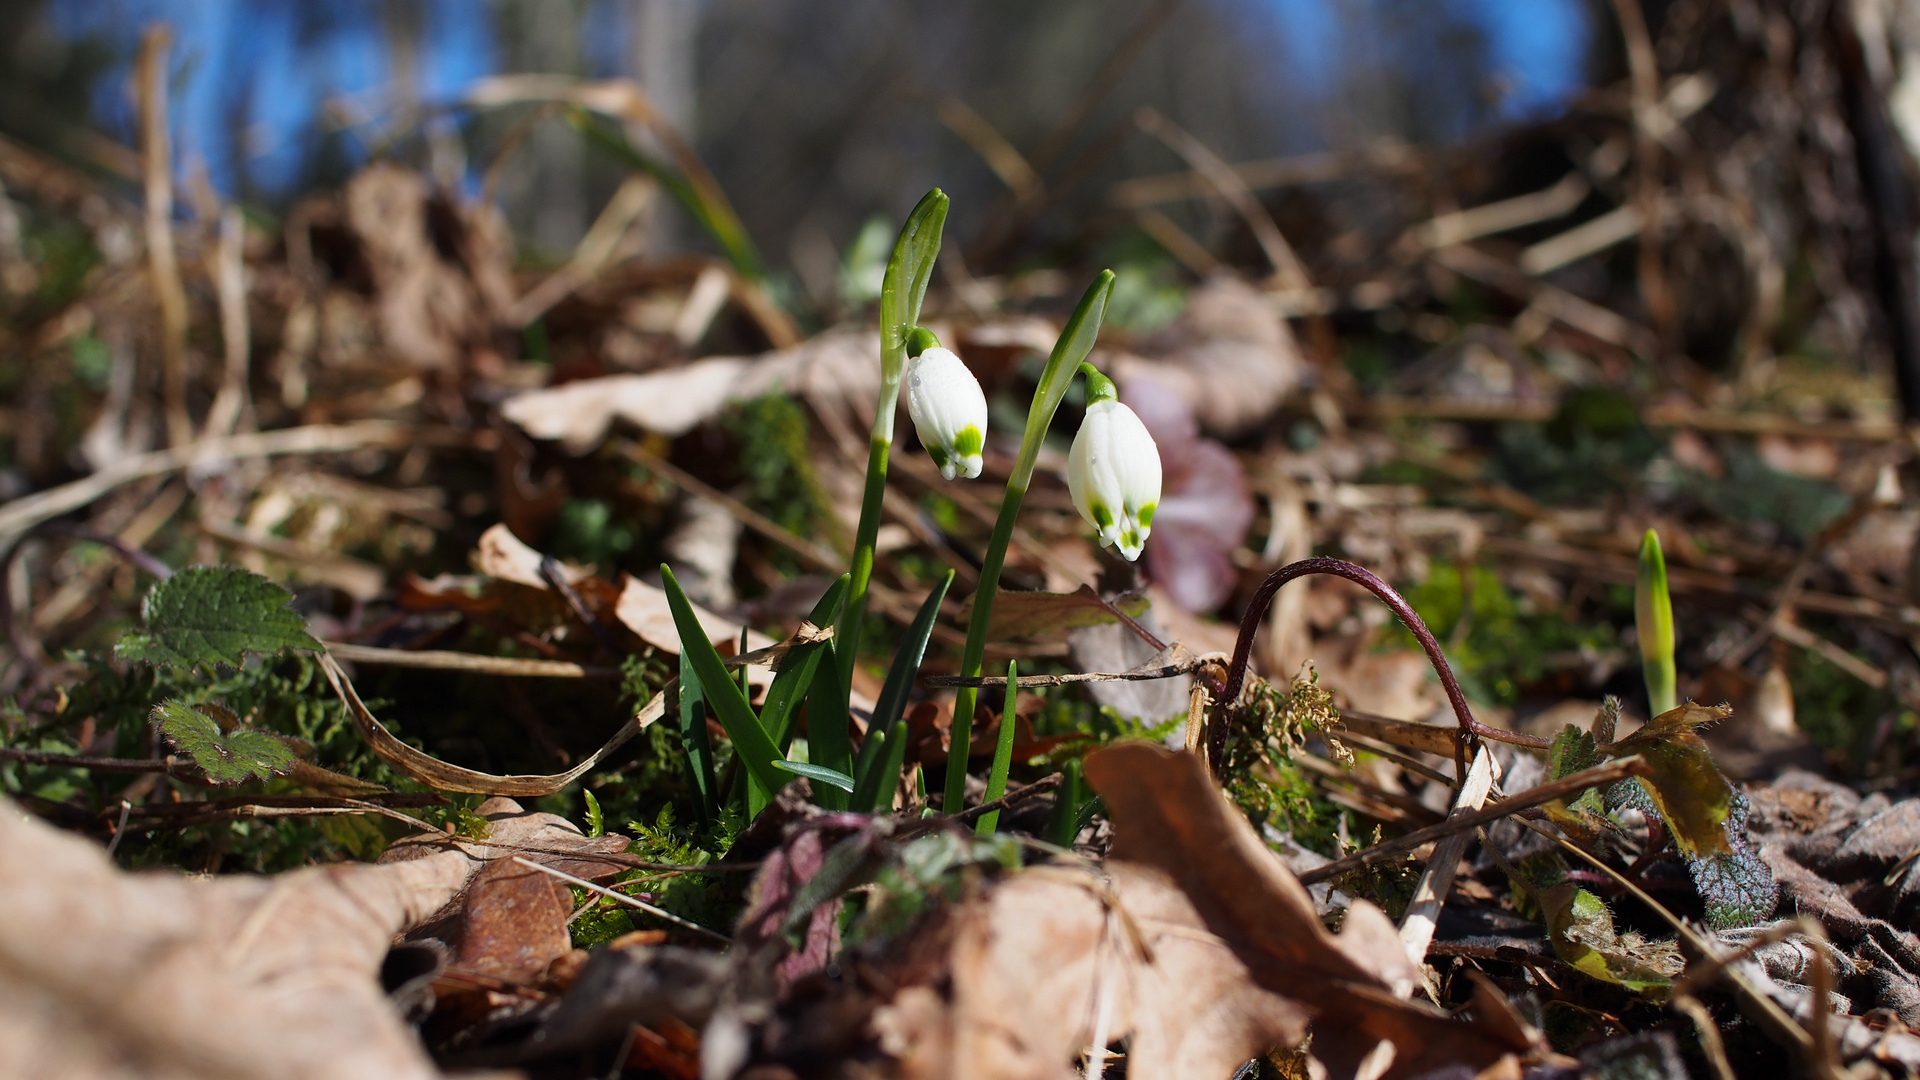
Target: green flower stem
pixel 1002 755
pixel 904 286
pixel 1076 341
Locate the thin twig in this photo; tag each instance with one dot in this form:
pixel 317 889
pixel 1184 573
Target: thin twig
pixel 1263 596
pixel 156 149
pixel 656 912
pixel 27 511
pixel 458 661
pixel 1609 773
pixel 1184 667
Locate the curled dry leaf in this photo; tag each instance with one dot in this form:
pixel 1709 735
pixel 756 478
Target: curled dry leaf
pixel 833 367
pixel 110 974
pixel 1195 944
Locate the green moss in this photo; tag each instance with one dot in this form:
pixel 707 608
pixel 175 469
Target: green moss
pixel 1506 643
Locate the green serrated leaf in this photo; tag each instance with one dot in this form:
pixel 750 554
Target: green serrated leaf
pixel 226 757
pixel 1584 817
pixel 205 616
pixel 1737 886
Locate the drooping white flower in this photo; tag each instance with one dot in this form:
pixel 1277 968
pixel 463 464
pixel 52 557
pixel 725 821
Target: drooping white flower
pixel 1113 469
pixel 948 408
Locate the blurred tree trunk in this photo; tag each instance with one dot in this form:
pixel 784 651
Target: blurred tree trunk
pixel 662 36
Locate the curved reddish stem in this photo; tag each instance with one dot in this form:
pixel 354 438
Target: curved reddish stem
pixel 1366 579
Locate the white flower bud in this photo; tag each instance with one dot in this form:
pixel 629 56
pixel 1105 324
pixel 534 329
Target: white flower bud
pixel 949 411
pixel 1113 470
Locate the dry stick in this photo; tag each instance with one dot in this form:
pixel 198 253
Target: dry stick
pixel 1423 914
pixel 1609 773
pixel 458 661
pixel 656 912
pixel 1287 268
pixel 24 513
pixel 1005 216
pixel 1263 596
pixel 751 518
pixel 993 148
pixel 1192 253
pixel 1044 784
pixel 1185 667
pixel 230 277
pixel 1644 75
pixel 156 148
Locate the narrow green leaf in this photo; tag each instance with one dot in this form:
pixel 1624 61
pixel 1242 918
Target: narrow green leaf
pixel 693 735
pixel 1653 622
pixel 815 772
pixel 226 757
pixel 795 677
pixel 1002 755
pixel 829 734
pixel 750 742
pixel 1064 824
pixel 596 821
pixel 886 777
pixel 906 659
pixel 209 615
pixel 709 209
pixel 866 771
pixel 1075 342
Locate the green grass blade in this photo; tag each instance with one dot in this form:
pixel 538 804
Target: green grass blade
pixel 829 735
pixel 1002 755
pixel 815 772
pixel 887 777
pixel 1653 621
pixel 1064 825
pixel 795 678
pixel 1075 342
pixel 906 659
pixel 709 209
pixel 750 741
pixel 693 734
pixel 866 771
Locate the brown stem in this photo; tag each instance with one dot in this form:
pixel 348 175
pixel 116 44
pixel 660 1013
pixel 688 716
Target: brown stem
pixel 1366 579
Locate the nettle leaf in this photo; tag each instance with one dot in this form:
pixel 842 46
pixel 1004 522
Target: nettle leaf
pixel 1686 786
pixel 1585 817
pixel 1580 926
pixel 209 615
pixel 1737 886
pixel 227 757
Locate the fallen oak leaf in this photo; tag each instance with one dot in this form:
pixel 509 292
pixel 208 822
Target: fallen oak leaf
pixel 1168 815
pixel 105 973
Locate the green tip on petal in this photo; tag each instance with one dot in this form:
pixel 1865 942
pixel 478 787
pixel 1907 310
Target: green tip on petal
pixel 969 442
pixel 919 340
pixel 1102 516
pixel 1099 387
pixel 1145 515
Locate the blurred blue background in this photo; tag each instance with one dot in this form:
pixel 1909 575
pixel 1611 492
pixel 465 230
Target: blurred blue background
pixel 813 115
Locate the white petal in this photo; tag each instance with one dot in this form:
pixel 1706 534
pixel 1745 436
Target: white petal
pixel 948 410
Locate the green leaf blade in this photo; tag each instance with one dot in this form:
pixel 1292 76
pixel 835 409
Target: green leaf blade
pixel 207 616
pixel 730 706
pixel 816 772
pixel 226 757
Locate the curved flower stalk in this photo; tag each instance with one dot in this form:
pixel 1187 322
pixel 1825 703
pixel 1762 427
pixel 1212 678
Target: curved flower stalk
pixel 1075 342
pixel 949 409
pixel 1113 470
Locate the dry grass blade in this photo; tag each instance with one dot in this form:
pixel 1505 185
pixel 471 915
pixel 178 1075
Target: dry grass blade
pixel 156 148
pixel 433 772
pixel 442 660
pixel 1287 268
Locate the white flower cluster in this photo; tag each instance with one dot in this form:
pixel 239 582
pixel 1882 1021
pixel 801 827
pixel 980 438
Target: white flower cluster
pixel 1113 470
